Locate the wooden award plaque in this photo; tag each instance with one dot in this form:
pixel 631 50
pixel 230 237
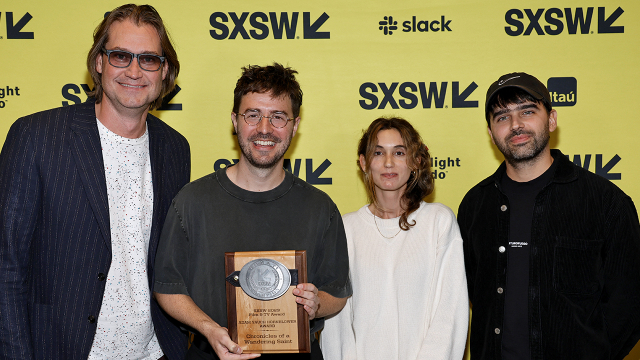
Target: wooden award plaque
pixel 279 325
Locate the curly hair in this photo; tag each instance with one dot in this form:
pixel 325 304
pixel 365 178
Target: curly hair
pixel 277 79
pixel 420 183
pixel 139 15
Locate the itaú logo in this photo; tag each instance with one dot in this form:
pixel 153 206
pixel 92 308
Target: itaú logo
pixel 259 25
pixel 563 91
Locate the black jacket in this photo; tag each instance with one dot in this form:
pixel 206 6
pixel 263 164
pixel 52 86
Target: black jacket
pixel 55 240
pixel 584 276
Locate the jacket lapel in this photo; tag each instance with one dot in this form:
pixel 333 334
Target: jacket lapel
pixel 156 141
pixel 87 151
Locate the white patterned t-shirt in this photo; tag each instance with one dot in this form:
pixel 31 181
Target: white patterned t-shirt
pixel 125 329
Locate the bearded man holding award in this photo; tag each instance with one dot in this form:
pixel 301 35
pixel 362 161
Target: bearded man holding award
pixel 253 207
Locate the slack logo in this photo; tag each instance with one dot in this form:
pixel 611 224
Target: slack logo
pixel 262 24
pixel 412 94
pixel 563 91
pixel 14 30
pixel 389 25
pixel 578 18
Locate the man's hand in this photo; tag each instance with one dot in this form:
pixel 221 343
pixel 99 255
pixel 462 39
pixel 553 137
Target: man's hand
pixel 307 295
pixel 224 347
pixel 182 308
pixel 317 303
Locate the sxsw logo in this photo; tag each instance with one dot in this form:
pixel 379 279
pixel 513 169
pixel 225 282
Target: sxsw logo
pixel 71 92
pixel 261 24
pixel 388 25
pixel 14 29
pixel 410 95
pixel 312 173
pixel 578 19
pixel 563 91
pixel 602 170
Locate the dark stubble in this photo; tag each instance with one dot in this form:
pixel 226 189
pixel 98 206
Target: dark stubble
pixel 518 155
pixel 264 162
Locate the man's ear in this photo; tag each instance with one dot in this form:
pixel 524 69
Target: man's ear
pixel 234 121
pixel 296 122
pixel 553 120
pixel 99 64
pixel 491 135
pixel 165 69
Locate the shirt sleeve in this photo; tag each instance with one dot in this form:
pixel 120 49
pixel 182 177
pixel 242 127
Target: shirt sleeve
pixel 332 276
pixel 172 258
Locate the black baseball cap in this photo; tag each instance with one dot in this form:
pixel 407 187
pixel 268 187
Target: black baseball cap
pixel 520 80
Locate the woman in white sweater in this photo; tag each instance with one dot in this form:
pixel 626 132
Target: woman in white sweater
pixel 405 259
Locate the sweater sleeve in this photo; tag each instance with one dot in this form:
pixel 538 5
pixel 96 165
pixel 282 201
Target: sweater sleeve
pixel 337 340
pixel 446 335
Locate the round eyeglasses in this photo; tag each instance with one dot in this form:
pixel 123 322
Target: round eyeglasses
pixel 253 117
pixel 122 59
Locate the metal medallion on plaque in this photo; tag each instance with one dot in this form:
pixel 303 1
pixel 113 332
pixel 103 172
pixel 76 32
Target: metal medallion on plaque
pixel 262 313
pixel 265 279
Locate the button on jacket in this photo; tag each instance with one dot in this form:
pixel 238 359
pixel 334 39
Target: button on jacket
pixel 584 276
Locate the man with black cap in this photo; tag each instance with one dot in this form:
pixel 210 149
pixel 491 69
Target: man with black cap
pixel 552 251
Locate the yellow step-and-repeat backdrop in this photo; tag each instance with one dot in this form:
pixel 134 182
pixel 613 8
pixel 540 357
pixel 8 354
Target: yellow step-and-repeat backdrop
pixel 429 62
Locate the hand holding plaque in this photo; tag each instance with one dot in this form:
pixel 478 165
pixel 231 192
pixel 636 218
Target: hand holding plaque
pixel 262 314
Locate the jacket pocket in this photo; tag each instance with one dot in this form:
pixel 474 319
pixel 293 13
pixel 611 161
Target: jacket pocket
pixel 577 265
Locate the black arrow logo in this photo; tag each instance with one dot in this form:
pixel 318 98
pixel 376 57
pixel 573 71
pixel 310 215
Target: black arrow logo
pixel 313 176
pixel 165 101
pixel 604 170
pixel 604 26
pixel 13 31
pixel 460 100
pixel 311 30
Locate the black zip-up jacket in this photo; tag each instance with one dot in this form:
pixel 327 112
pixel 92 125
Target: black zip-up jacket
pixel 584 275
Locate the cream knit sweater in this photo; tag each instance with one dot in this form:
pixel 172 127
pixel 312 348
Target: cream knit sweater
pixel 409 292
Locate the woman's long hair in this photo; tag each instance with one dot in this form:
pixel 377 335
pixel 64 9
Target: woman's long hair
pixel 420 183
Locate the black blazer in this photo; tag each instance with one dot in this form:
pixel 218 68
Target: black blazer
pixel 55 240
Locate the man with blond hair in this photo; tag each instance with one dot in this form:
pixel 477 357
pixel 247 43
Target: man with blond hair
pixel 84 191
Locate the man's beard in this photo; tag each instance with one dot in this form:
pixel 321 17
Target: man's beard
pixel 263 163
pixel 525 153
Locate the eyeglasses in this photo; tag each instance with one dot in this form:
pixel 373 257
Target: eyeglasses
pixel 122 59
pixel 253 117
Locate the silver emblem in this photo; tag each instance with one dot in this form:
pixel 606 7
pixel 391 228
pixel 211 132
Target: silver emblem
pixel 265 279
